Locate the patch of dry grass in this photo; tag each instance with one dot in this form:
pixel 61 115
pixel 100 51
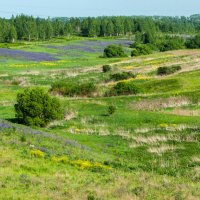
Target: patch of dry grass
pixel 157 104
pixel 151 139
pixel 185 112
pixel 162 148
pixel 70 115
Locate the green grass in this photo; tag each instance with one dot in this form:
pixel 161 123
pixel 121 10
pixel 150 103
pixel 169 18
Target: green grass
pixel 148 153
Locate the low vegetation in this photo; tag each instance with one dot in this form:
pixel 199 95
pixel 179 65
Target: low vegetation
pixel 106 68
pixel 140 49
pixel 170 43
pixel 72 89
pixel 168 70
pixel 123 88
pixel 122 76
pixel 193 43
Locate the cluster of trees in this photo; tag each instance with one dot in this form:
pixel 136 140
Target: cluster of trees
pixel 29 28
pixel 193 43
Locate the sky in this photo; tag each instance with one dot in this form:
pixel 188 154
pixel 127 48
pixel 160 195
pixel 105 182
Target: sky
pixel 84 8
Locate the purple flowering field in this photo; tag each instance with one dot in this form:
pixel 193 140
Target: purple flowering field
pixel 90 46
pixel 30 56
pixel 73 49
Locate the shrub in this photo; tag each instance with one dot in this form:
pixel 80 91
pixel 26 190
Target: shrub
pixel 106 68
pixel 193 43
pixel 114 51
pixel 23 138
pixel 111 110
pixel 141 49
pixel 34 107
pixel 170 43
pixel 74 89
pixel 168 70
pixel 122 76
pixel 147 37
pixel 124 88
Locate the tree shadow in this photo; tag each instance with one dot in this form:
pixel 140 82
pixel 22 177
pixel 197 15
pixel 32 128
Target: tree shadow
pixel 13 120
pixel 104 115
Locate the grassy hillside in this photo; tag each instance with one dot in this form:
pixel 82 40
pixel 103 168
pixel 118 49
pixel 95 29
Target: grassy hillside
pixel 148 149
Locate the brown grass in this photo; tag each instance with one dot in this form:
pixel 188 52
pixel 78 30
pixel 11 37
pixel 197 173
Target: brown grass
pixel 154 105
pixel 185 112
pixel 162 149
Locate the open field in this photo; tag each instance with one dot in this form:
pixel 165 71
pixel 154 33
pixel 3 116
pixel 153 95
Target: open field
pixel 148 149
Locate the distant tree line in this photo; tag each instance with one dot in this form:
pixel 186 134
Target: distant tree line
pixel 28 28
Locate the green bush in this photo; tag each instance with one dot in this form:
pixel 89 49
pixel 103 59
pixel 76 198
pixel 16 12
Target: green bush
pixel 168 70
pixel 141 49
pixel 123 88
pixel 106 68
pixel 73 89
pixel 193 43
pixel 34 107
pixel 147 37
pixel 122 76
pixel 170 43
pixel 114 51
pixel 111 110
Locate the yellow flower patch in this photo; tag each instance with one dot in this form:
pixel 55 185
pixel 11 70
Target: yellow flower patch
pixel 128 67
pixel 37 153
pixel 62 159
pixel 85 164
pixel 168 125
pixel 142 77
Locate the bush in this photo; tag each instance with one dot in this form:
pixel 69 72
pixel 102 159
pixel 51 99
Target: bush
pixel 106 68
pixel 122 76
pixel 168 70
pixel 170 43
pixel 141 49
pixel 193 43
pixel 147 37
pixel 111 110
pixel 34 107
pixel 74 89
pixel 114 51
pixel 124 88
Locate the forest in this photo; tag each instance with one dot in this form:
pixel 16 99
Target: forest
pixel 28 28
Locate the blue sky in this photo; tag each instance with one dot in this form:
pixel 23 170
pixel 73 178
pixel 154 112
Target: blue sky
pixel 71 8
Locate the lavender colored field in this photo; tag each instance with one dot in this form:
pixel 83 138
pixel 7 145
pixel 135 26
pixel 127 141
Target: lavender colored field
pixel 91 46
pixel 5 125
pixel 31 56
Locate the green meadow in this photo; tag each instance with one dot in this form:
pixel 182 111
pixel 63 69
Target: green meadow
pixel 149 148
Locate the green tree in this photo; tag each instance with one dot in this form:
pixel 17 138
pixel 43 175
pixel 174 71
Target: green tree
pixel 12 35
pixel 110 28
pixel 193 43
pixel 34 107
pixel 68 29
pixel 92 28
